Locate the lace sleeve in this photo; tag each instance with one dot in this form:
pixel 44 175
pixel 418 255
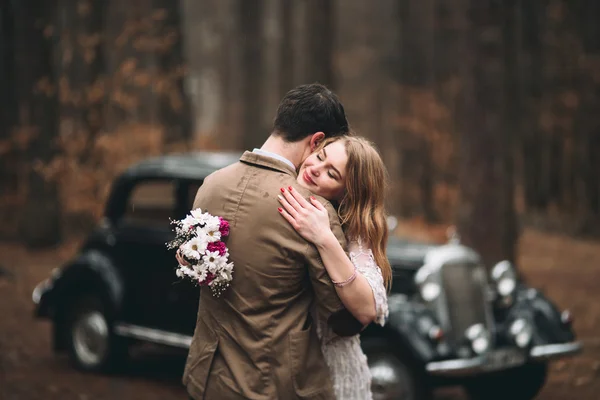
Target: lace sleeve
pixel 365 264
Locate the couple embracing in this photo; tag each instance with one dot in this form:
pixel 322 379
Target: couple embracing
pixel 307 237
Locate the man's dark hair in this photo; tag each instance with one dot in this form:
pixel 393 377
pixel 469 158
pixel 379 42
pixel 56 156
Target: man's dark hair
pixel 308 109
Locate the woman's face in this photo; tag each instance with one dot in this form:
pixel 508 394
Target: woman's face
pixel 324 172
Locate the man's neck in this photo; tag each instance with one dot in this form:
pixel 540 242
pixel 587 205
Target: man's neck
pixel 291 151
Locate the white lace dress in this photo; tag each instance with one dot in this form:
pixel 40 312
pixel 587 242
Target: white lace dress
pixel 346 361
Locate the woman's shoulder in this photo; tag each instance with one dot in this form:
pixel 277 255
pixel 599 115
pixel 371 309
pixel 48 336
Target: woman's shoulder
pixel 359 247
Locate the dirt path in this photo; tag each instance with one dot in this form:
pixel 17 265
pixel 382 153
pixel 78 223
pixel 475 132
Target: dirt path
pixel 566 269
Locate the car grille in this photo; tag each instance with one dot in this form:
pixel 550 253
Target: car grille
pixel 464 287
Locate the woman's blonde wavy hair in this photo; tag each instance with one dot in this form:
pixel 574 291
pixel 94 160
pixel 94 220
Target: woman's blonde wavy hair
pixel 361 209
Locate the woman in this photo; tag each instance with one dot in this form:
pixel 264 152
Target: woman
pixel 348 172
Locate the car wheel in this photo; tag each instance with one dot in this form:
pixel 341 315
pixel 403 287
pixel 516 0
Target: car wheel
pixel 91 342
pixel 521 383
pixel 394 376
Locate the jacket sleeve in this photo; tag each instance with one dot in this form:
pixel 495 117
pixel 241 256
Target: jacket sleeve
pixel 328 304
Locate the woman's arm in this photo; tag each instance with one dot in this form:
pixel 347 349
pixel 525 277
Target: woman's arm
pixel 357 295
pixel 311 220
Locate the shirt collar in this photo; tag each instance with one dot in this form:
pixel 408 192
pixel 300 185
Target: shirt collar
pixel 275 156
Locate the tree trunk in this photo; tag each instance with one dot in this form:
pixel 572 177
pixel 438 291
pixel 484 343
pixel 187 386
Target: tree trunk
pixel 38 113
pixel 251 18
pixel 486 218
pixel 531 142
pixel 366 69
pixel 212 51
pixel 7 68
pixel 8 111
pixel 418 75
pixel 81 71
pixel 131 63
pixel 174 103
pixel 320 42
pixel 286 49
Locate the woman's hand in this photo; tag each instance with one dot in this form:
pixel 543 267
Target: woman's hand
pixel 310 220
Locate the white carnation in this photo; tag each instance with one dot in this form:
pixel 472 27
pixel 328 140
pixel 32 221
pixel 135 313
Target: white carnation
pixel 200 269
pixel 197 213
pixel 213 261
pixel 187 223
pixel 226 275
pixel 212 223
pixel 201 217
pixel 202 276
pixel 228 267
pixel 213 235
pixel 195 247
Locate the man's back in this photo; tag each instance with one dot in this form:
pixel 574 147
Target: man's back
pixel 257 340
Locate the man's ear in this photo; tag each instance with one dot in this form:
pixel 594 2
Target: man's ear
pixel 316 140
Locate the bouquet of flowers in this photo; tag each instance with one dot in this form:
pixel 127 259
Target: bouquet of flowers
pixel 199 238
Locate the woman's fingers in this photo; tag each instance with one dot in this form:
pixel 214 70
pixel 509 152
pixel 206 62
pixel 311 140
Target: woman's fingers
pixel 287 206
pixel 180 259
pixel 291 199
pixel 317 204
pixel 301 200
pixel 288 217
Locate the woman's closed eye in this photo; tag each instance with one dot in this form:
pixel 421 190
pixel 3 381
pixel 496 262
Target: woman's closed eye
pixel 331 173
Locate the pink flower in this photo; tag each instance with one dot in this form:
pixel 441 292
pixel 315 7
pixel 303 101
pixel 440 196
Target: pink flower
pixel 209 278
pixel 217 246
pixel 224 227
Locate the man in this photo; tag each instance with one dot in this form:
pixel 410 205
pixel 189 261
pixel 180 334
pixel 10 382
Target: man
pixel 257 341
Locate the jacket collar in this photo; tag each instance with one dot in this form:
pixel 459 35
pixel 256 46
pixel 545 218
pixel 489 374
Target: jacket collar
pixel 267 162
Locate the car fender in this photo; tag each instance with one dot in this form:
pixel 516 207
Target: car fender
pixel 92 270
pixel 407 326
pixel 549 325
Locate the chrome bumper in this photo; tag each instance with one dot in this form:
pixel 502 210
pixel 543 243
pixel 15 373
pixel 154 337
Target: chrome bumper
pixel 481 364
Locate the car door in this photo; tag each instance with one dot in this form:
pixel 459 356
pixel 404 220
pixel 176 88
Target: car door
pixel 148 266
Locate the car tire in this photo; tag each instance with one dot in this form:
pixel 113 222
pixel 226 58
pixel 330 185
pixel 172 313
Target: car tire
pixel 92 344
pixel 521 383
pixel 395 375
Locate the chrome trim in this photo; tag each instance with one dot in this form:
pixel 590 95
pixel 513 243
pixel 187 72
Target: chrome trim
pixel 153 335
pixel 501 268
pixel 566 317
pixel 462 367
pixel 439 258
pixel 39 290
pixel 456 367
pixel 549 351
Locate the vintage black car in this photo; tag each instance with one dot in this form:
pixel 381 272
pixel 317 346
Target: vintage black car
pixel 450 322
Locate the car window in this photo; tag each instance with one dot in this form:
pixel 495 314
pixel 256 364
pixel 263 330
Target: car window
pixel 151 203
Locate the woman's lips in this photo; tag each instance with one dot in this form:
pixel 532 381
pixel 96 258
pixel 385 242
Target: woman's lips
pixel 307 178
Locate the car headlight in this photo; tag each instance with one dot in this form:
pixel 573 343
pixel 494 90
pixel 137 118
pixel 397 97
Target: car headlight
pixel 521 332
pixel 479 338
pixel 505 278
pixel 429 288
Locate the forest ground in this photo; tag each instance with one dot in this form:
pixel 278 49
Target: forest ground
pixel 566 269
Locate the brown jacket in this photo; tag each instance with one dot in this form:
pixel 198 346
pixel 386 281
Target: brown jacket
pixel 257 341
